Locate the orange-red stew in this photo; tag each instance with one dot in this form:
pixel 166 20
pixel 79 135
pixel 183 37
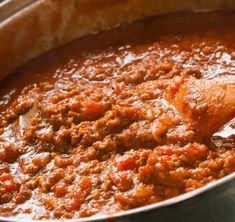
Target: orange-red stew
pixel 121 119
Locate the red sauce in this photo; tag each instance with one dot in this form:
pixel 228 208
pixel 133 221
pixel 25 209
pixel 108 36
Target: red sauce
pixel 121 119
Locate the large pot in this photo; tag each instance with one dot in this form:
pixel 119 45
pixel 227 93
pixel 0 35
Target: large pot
pixel 31 27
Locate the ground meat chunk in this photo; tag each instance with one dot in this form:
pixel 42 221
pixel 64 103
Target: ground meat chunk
pixel 120 119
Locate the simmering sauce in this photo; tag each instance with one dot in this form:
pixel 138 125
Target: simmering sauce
pixel 120 119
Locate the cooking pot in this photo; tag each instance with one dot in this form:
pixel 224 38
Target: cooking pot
pixel 29 28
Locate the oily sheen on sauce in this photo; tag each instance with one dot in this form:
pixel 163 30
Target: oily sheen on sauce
pixel 120 119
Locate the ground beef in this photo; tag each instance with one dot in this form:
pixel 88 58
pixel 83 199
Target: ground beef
pixel 96 131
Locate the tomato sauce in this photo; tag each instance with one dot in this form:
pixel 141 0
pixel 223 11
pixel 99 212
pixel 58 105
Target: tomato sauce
pixel 119 119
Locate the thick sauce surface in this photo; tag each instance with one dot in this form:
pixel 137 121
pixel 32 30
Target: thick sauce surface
pixel 120 119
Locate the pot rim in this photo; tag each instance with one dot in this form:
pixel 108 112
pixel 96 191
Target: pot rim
pixel 99 217
pixel 169 202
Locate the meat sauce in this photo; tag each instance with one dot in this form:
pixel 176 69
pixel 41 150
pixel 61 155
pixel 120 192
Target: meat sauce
pixel 120 119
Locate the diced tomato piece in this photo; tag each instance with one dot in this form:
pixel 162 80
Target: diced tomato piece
pixel 93 110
